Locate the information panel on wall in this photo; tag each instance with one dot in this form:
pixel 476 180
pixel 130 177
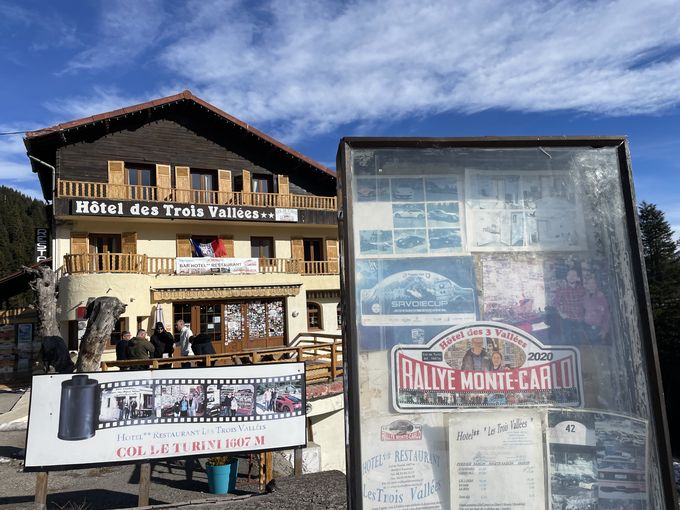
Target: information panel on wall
pixel 498 338
pixel 129 416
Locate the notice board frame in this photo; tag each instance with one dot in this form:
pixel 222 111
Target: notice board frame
pixel 351 309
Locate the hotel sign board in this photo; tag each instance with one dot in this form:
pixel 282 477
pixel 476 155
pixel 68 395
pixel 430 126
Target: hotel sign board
pixel 138 209
pixel 496 325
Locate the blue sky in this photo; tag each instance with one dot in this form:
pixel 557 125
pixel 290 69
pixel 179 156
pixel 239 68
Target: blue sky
pixel 311 72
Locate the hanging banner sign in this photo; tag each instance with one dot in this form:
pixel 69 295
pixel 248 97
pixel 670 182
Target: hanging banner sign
pixel 484 364
pixel 203 265
pixel 123 417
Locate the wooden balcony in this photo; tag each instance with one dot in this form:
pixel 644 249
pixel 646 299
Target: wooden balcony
pixel 131 263
pixel 321 353
pixel 102 190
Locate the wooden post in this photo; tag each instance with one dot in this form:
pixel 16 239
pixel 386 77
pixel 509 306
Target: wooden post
pixel 41 488
pixel 262 462
pixel 334 363
pixel 298 461
pixel 269 466
pixel 144 483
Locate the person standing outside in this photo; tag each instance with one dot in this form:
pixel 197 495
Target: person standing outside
pixel 185 335
pixel 596 319
pixel 569 304
pixel 234 405
pixel 120 348
pixel 226 405
pixel 477 358
pixel 164 343
pixel 139 348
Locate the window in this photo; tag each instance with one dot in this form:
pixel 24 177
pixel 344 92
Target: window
pixel 203 182
pixel 262 247
pixel 116 334
pixel 313 316
pixel 105 246
pixel 313 251
pixel 263 184
pixel 142 180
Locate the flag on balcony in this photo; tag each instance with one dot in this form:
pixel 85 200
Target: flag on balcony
pixel 214 249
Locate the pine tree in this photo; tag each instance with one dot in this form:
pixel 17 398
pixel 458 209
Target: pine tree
pixel 662 262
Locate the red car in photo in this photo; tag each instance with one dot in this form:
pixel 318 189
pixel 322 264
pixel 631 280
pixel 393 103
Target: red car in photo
pixel 287 403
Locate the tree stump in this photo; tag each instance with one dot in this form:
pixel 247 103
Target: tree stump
pixel 102 315
pixel 53 350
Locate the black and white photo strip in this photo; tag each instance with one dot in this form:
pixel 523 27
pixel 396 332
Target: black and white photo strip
pixel 138 402
pixel 597 461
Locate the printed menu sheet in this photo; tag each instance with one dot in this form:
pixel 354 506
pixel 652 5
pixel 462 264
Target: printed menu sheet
pixel 496 460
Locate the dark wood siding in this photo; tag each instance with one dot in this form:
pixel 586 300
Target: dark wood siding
pixel 175 141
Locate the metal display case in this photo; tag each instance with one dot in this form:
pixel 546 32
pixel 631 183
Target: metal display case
pixel 499 350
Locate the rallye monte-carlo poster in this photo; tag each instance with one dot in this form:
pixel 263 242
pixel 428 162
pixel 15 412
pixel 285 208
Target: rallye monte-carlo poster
pixel 484 364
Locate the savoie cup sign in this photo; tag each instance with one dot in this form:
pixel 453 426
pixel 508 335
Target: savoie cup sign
pixel 484 364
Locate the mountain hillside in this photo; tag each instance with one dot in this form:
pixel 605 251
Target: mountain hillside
pixel 20 215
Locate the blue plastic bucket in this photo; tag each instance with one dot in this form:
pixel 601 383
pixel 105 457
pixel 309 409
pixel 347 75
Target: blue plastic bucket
pixel 222 479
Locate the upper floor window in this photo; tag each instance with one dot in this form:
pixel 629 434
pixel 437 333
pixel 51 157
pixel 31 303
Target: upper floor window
pixel 203 182
pixel 263 183
pixel 141 179
pixel 313 250
pixel 262 247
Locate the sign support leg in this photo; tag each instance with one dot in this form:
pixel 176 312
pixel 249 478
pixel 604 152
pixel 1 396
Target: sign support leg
pixel 144 483
pixel 41 488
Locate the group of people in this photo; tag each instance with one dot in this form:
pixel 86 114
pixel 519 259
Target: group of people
pixel 478 358
pixel 269 399
pixel 584 310
pixel 162 345
pixel 229 405
pixel 185 407
pixel 127 409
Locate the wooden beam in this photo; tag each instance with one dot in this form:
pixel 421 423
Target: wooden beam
pixel 144 483
pixel 41 488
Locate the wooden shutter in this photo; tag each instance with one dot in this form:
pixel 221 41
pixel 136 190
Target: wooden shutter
pixel 284 189
pixel 163 182
pixel 182 183
pixel 332 255
pixel 129 242
pixel 116 187
pixel 79 243
pixel 297 248
pixel 224 186
pixel 247 198
pixel 183 245
pixel 228 242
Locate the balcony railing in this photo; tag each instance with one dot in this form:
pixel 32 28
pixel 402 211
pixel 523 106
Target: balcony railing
pixel 133 263
pixel 99 190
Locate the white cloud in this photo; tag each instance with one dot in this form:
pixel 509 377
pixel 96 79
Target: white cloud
pixel 301 68
pixel 125 30
pixel 316 65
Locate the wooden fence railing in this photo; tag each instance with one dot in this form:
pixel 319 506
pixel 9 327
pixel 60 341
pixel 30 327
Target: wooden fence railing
pixel 101 190
pixel 84 263
pixel 321 353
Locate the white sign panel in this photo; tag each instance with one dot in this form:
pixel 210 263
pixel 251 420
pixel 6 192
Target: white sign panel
pixel 105 417
pixel 406 464
pixel 497 460
pixel 202 265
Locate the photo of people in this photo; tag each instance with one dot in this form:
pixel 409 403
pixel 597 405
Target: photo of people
pixel 279 397
pixel 180 401
pixel 126 403
pixel 559 301
pixel 484 354
pixel 236 400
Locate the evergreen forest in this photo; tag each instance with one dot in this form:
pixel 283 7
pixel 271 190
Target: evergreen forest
pixel 20 215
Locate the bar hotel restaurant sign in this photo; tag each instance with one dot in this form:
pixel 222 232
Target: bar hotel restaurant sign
pixel 135 209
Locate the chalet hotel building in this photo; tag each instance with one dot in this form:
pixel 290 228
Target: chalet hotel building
pixel 133 191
